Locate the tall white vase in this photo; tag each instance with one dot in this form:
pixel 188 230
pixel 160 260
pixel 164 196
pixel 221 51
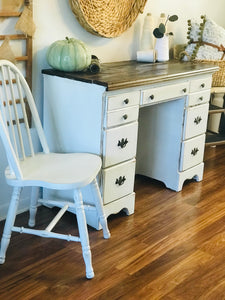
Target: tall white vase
pixel 147 40
pixel 162 48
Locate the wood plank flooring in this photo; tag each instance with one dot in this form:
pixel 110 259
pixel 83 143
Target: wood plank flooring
pixel 173 247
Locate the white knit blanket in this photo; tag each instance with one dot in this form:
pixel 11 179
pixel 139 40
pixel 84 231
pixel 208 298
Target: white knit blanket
pixel 213 34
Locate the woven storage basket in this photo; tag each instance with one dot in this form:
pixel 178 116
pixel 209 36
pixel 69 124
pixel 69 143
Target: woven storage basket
pixel 107 18
pixel 218 78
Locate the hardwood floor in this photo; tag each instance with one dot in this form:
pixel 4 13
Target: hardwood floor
pixel 173 247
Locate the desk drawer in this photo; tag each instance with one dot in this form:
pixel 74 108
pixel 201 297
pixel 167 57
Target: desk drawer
pixel 192 152
pixel 164 92
pixel 195 120
pixel 119 144
pixel 201 84
pixel 122 116
pixel 118 181
pixel 198 98
pixel 123 100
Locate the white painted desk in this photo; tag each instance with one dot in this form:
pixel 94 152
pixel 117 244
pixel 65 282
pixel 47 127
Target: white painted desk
pixel 155 113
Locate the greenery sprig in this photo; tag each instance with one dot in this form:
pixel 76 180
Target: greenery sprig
pixel 159 32
pixel 200 34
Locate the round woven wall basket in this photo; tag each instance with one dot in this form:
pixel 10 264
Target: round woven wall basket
pixel 107 18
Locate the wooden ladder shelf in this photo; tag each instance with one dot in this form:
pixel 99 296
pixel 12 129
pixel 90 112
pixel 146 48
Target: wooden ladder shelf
pixel 27 58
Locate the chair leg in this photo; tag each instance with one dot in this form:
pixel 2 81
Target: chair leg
pixel 100 210
pixel 33 205
pixel 82 226
pixel 10 219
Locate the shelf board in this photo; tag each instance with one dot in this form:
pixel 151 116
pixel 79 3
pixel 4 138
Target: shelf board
pixel 213 109
pixel 7 14
pixel 22 58
pixel 14 36
pixel 218 90
pixel 214 139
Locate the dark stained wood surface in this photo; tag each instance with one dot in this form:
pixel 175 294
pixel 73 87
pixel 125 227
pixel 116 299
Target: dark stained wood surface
pixel 127 74
pixel 173 247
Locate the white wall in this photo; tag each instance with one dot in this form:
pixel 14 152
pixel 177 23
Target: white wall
pixel 54 20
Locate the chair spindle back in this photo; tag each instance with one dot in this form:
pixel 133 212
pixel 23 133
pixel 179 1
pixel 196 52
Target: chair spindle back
pixel 15 98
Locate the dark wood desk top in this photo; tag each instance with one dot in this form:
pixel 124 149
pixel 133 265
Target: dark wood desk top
pixel 128 74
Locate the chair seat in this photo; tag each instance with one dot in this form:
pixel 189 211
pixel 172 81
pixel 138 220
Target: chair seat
pixel 57 170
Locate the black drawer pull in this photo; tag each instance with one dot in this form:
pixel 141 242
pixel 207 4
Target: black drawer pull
pixel 125 117
pixel 120 180
pixel 197 120
pixel 126 101
pixel 151 97
pixel 122 143
pixel 202 85
pixel 201 98
pixel 194 151
pixel 184 90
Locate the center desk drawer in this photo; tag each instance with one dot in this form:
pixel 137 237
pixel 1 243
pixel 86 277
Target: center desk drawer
pixel 161 93
pixel 192 152
pixel 196 120
pixel 119 144
pixel 118 181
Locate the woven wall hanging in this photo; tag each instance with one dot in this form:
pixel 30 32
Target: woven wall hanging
pixel 107 18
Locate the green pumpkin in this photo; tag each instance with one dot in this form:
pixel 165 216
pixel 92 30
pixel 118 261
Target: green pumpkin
pixel 68 55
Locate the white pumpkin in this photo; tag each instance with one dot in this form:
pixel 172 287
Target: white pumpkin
pixel 68 55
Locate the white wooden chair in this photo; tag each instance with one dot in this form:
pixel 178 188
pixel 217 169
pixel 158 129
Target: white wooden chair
pixel 27 167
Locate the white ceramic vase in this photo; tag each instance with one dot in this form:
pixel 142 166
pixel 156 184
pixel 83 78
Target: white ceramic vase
pixel 162 48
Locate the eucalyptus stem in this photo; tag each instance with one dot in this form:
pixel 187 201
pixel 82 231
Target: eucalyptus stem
pixel 167 19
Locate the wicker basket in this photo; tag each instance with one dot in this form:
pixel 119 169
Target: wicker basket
pixel 108 18
pixel 218 78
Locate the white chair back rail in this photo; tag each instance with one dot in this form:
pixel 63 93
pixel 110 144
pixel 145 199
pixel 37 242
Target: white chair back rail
pixel 70 171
